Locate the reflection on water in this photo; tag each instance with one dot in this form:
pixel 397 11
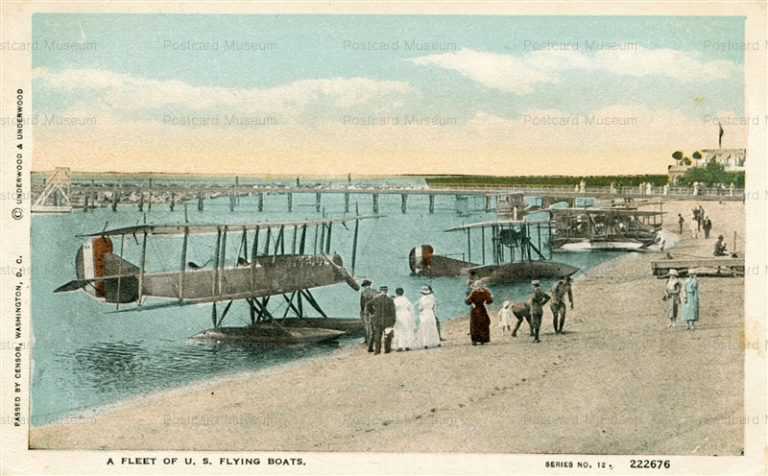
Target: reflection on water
pixel 125 368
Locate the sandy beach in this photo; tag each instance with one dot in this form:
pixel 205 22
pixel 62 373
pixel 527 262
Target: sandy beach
pixel 618 381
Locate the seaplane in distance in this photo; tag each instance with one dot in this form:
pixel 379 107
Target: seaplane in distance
pixel 510 251
pixel 285 260
pixel 605 229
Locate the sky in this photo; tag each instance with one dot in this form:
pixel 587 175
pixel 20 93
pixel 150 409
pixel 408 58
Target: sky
pixel 376 94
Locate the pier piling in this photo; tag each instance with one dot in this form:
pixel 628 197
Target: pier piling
pixel 200 202
pixel 404 202
pixel 149 203
pixel 260 201
pixel 375 199
pixel 431 204
pixel 346 202
pixel 318 198
pixel 487 203
pixel 290 202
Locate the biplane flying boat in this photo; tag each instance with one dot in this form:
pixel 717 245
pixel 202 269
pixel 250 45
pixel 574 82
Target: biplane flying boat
pixel 286 259
pixel 604 229
pixel 519 251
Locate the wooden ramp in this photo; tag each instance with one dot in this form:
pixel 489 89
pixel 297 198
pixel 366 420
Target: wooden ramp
pixel 714 266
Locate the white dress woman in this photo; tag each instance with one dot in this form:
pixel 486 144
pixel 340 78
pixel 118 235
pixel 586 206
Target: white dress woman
pixel 427 335
pixel 694 226
pixel 405 323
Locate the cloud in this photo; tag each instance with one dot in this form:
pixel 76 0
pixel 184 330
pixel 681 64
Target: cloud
pixel 127 93
pixel 521 74
pixel 503 72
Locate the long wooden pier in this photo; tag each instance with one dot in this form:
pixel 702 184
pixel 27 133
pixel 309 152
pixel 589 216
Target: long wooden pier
pixel 90 194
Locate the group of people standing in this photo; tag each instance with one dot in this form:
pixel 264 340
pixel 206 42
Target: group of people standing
pixel 395 322
pixel 699 222
pixel 532 310
pixel 683 295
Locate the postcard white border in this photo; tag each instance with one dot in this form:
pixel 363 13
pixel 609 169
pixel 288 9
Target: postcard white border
pixel 15 458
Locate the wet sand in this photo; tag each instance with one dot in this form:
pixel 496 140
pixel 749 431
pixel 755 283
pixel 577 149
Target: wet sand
pixel 618 381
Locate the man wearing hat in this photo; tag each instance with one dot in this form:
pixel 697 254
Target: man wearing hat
pixel 367 293
pixel 537 302
pixel 383 315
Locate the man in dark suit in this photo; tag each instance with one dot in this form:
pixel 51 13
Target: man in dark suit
pixel 382 312
pixel 367 293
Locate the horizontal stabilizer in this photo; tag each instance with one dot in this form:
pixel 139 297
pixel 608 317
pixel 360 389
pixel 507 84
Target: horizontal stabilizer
pixel 73 285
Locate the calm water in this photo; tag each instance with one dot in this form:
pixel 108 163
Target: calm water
pixel 85 355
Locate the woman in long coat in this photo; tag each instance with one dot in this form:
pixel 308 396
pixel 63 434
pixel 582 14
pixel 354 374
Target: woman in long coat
pixel 672 297
pixel 479 322
pixel 691 301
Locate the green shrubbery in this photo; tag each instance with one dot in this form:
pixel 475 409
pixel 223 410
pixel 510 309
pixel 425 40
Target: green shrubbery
pixel 712 174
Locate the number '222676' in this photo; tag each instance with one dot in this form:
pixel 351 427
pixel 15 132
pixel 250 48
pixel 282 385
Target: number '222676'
pixel 650 463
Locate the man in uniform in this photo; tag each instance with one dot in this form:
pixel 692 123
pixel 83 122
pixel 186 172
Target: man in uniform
pixel 383 315
pixel 367 293
pixel 560 290
pixel 537 302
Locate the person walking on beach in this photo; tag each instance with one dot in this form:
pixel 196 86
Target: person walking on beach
pixel 691 301
pixel 707 226
pixel 537 301
pixel 696 217
pixel 701 217
pixel 557 304
pixel 427 335
pixel 672 297
pixel 383 315
pixel 680 221
pixel 405 322
pixel 367 293
pixel 479 322
pixel 505 317
pixel 693 225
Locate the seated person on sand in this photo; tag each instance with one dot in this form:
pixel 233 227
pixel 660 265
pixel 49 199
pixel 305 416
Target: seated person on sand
pixel 720 248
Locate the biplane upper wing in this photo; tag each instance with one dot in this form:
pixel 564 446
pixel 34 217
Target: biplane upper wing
pixel 603 211
pixel 212 229
pixel 484 224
